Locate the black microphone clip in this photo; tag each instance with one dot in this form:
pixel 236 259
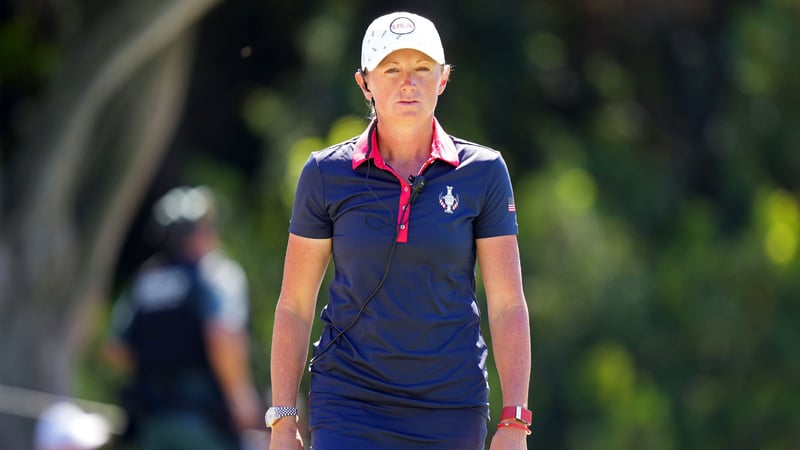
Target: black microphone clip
pixel 417 184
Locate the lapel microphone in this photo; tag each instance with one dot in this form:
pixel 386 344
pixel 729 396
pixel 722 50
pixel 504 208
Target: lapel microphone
pixel 417 183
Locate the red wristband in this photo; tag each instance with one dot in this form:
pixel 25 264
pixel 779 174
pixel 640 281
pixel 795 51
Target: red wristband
pixel 517 413
pixel 514 424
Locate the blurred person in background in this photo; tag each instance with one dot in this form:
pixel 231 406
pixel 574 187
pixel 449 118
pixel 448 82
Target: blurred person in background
pixel 405 211
pixel 180 329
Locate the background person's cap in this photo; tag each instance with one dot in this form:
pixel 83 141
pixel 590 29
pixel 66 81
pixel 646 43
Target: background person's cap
pixel 397 31
pixel 185 206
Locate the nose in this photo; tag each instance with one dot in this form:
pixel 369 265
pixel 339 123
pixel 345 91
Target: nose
pixel 408 80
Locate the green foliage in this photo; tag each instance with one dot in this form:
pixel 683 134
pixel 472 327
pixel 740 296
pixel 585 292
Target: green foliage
pixel 25 58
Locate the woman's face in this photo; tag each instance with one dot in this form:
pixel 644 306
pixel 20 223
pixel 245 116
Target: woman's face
pixel 406 85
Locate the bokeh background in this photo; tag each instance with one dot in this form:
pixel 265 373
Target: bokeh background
pixel 654 147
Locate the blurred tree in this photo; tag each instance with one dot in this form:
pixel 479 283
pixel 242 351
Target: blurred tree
pixel 81 167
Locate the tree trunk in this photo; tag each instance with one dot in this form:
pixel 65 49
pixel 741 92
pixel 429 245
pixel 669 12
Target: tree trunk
pixel 104 127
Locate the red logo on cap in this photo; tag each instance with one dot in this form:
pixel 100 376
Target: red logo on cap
pixel 402 25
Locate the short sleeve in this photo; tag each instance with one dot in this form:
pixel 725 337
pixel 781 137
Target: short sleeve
pixel 226 295
pixel 310 217
pixel 498 216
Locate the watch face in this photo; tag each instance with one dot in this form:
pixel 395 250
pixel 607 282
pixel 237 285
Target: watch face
pixel 270 417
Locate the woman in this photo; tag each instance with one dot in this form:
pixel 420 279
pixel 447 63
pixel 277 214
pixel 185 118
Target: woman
pixel 405 211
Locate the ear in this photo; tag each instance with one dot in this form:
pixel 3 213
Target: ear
pixel 361 81
pixel 445 78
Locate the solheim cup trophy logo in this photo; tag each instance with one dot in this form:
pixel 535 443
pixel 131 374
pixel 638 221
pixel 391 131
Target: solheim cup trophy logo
pixel 448 201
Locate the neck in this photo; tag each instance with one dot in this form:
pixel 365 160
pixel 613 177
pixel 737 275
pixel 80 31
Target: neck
pixel 405 144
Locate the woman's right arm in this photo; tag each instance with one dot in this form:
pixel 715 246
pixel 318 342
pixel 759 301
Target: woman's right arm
pixel 304 268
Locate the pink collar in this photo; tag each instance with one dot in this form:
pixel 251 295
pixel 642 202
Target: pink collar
pixel 366 146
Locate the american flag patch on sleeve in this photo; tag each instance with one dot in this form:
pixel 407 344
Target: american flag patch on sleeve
pixel 511 206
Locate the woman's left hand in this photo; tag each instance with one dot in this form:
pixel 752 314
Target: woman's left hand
pixel 509 439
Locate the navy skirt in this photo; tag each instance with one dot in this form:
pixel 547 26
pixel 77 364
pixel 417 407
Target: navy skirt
pixel 339 423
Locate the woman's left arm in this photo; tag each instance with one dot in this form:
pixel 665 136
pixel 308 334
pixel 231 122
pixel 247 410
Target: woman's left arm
pixel 509 324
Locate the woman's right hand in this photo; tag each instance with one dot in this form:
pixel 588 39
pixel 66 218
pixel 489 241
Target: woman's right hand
pixel 285 436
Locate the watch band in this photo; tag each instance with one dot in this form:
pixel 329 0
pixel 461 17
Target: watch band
pixel 518 413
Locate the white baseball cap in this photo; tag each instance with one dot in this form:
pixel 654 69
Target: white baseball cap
pixel 397 31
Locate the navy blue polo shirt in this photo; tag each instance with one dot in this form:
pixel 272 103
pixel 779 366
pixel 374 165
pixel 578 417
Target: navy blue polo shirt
pixel 418 341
